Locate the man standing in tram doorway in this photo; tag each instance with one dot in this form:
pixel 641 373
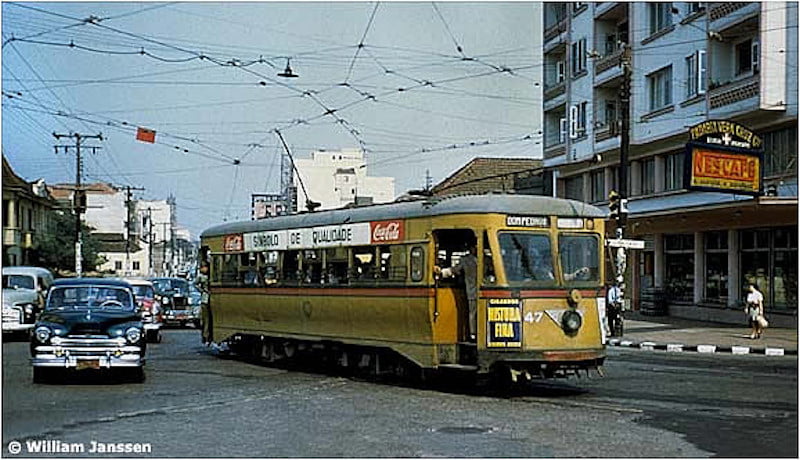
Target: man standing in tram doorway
pixel 468 267
pixel 205 312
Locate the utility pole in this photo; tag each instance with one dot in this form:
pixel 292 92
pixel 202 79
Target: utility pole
pixel 150 237
pixel 618 200
pixel 79 197
pixel 128 222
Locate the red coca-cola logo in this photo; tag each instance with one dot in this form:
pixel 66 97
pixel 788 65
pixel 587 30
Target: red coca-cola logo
pixel 387 231
pixel 233 243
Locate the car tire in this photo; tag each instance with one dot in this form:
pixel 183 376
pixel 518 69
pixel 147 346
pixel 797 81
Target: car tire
pixel 42 375
pixel 154 336
pixel 137 375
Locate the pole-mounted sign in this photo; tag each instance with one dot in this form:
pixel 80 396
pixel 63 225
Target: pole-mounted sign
pixel 723 156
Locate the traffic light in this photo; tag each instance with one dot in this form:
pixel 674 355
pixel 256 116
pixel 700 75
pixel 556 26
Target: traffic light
pixel 613 205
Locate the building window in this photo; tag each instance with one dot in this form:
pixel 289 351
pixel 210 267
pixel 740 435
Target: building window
pixel 578 120
pixel 780 152
pixel 573 188
pixel 117 265
pixel 673 171
pixel 598 184
pixel 694 7
pixel 647 176
pixel 746 57
pixel 578 57
pixel 659 84
pixel 679 266
pixel 660 16
pixel 696 74
pixel 716 253
pixel 136 265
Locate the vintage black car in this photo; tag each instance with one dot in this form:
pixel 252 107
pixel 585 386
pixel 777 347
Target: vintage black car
pixel 175 298
pixel 88 323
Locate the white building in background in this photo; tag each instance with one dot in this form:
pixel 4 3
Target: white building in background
pixel 338 178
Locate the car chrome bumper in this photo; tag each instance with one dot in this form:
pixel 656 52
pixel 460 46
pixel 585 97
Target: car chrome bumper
pixel 152 326
pixel 94 356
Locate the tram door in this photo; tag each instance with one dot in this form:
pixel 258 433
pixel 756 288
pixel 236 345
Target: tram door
pixel 453 303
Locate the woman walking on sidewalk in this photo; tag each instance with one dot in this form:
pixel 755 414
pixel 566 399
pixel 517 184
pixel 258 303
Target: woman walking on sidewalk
pixel 755 310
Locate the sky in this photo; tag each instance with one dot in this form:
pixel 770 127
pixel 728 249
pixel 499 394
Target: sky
pixel 422 88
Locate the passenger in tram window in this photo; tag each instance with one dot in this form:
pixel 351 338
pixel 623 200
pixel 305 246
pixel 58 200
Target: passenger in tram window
pixel 467 267
pixel 270 275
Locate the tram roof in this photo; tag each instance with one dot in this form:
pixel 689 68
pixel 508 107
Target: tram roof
pixel 531 205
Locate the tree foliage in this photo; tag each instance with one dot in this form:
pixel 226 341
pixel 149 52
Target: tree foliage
pixel 56 249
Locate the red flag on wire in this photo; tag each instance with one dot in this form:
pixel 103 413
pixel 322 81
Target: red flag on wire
pixel 145 135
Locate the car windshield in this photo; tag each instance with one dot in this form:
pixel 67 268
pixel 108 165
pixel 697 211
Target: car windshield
pixel 143 291
pixel 171 286
pixel 526 256
pixel 18 281
pixel 89 297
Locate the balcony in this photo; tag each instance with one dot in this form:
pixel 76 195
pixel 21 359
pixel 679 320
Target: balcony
pixel 554 89
pixel 552 33
pixel 11 236
pixel 608 67
pixel 722 17
pixel 735 92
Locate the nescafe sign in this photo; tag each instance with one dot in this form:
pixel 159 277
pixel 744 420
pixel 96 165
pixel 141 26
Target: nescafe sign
pixel 387 231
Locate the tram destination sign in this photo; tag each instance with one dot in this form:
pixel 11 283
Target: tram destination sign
pixel 723 156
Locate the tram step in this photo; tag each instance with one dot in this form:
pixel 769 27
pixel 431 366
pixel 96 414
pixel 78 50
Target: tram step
pixel 458 367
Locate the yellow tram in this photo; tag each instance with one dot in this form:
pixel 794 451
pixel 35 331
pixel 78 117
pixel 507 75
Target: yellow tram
pixel 356 287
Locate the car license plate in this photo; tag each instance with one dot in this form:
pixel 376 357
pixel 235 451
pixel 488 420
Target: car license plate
pixel 88 364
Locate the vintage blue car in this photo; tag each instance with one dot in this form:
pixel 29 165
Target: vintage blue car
pixel 89 323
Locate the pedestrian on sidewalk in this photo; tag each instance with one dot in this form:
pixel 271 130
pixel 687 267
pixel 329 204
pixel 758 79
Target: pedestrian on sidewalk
pixel 755 310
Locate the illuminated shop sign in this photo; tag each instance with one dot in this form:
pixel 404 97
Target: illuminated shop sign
pixel 723 156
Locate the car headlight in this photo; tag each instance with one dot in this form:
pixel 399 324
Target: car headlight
pixel 29 308
pixel 133 334
pixel 42 333
pixel 571 321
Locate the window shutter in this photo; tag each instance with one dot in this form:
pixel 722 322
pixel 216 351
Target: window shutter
pixel 700 61
pixel 573 122
pixel 754 56
pixel 562 130
pixel 561 71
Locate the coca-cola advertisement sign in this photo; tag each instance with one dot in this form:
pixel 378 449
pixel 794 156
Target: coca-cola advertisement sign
pixel 387 231
pixel 233 243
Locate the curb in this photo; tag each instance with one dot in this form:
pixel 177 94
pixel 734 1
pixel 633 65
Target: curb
pixel 679 347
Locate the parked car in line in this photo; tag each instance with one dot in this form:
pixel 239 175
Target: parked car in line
pixel 24 290
pixel 173 293
pixel 88 323
pixel 149 308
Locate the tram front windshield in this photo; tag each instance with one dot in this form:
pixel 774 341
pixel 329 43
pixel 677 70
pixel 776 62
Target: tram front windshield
pixel 528 258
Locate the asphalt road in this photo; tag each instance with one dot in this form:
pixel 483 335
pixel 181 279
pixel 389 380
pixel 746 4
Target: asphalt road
pixel 194 404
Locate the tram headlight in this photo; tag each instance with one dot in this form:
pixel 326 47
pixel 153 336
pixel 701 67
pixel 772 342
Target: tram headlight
pixel 571 321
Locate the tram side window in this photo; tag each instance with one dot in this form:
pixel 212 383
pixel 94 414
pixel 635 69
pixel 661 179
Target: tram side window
pixel 216 269
pixel 269 267
pixel 392 263
pixel 290 270
pixel 248 269
pixel 312 266
pixel 417 263
pixel 336 266
pixel 230 267
pixel 363 267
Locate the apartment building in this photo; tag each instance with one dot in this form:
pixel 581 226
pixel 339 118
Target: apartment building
pixel 27 207
pixel 690 62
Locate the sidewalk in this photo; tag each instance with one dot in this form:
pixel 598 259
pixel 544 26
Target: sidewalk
pixel 676 334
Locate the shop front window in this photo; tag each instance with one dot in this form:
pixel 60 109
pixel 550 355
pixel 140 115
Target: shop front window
pixel 679 267
pixel 769 259
pixel 716 289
